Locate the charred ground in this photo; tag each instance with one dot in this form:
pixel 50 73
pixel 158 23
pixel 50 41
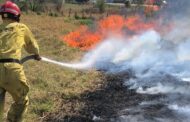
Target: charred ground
pixel 105 104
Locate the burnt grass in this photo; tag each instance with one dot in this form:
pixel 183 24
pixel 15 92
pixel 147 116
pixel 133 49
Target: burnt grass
pixel 105 102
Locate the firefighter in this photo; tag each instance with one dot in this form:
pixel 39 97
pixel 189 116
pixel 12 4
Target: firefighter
pixel 13 37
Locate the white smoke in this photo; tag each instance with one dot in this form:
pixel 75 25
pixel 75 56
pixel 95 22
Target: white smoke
pixel 134 50
pixel 146 52
pixel 160 62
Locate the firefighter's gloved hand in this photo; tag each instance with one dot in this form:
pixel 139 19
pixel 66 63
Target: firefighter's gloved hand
pixel 37 57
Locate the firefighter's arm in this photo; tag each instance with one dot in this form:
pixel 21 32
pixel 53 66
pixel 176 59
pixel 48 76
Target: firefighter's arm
pixel 31 45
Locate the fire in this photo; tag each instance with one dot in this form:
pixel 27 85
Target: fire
pixel 113 23
pixel 136 24
pixel 82 38
pixel 149 9
pixel 85 39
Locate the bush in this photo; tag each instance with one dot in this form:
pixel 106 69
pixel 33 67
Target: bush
pixel 22 5
pixel 39 13
pixel 33 5
pixel 101 5
pixel 76 16
pixel 53 14
pixel 127 4
pixel 86 22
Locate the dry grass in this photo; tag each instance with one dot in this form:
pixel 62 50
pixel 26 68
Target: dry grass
pixel 50 84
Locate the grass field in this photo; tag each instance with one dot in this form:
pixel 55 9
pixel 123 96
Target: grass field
pixel 50 85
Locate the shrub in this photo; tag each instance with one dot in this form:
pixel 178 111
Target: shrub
pixel 127 4
pixel 76 16
pixel 86 22
pixel 33 5
pixel 53 14
pixel 101 5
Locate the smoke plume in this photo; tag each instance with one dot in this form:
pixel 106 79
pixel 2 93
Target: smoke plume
pixel 159 59
pixel 158 55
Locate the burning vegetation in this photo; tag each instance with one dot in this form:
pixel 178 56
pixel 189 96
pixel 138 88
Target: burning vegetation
pixel 86 38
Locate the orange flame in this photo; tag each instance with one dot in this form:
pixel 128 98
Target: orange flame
pixel 136 24
pixel 86 39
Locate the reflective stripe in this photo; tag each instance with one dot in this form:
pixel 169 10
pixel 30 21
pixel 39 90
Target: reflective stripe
pixel 11 10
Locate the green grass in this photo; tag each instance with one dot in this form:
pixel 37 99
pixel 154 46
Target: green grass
pixel 85 22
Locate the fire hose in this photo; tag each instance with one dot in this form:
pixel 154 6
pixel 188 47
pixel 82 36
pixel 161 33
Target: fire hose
pixel 30 57
pixel 11 60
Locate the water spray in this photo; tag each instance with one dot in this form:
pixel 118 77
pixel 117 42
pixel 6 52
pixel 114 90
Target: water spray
pixel 83 65
pixel 80 66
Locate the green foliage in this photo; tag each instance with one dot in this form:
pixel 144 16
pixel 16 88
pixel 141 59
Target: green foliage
pixel 38 13
pixel 1 1
pixel 127 4
pixel 68 19
pixel 140 2
pixel 22 5
pixel 86 21
pixel 76 16
pixel 101 5
pixel 33 5
pixel 53 14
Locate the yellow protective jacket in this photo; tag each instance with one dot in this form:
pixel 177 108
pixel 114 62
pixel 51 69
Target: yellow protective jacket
pixel 15 36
